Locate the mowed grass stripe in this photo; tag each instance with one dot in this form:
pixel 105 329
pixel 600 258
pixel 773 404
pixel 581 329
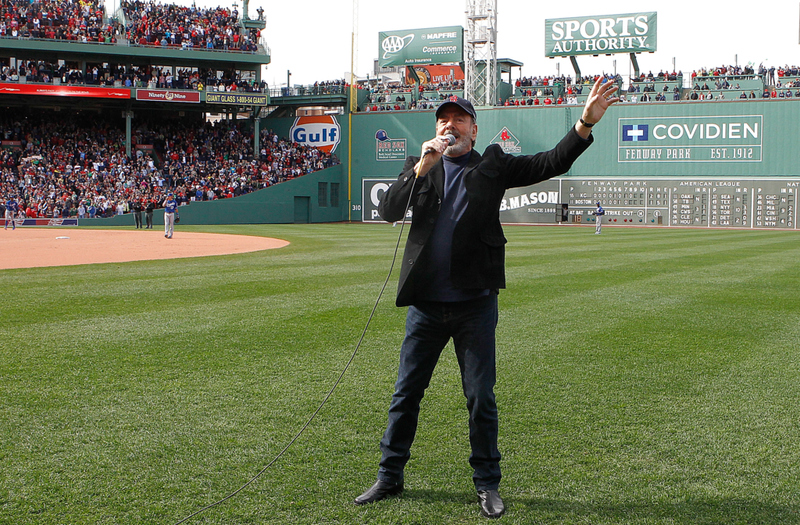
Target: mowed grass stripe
pixel 680 331
pixel 645 376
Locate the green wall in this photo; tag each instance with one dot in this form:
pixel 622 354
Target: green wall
pixel 533 129
pixel 274 205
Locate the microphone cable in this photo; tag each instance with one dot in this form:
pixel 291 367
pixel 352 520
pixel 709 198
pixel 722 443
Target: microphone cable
pixel 341 375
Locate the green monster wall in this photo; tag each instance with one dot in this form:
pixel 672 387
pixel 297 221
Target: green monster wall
pixel 729 163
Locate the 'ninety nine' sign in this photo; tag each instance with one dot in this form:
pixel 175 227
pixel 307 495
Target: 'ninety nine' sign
pixel 595 35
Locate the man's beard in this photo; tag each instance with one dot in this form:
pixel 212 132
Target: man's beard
pixel 461 147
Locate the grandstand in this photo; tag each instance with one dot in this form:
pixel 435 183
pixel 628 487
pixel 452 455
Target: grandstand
pixel 102 110
pixel 61 167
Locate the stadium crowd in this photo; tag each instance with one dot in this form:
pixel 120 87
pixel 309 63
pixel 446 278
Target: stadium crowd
pixel 553 90
pixel 326 87
pixel 410 96
pixel 131 76
pixel 74 167
pixel 170 25
pixel 147 24
pixel 728 71
pixel 57 19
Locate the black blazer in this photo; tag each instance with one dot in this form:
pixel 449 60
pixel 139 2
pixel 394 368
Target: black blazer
pixel 478 256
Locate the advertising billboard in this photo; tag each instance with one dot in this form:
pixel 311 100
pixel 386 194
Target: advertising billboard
pixel 436 45
pixel 435 74
pixel 166 95
pixel 600 35
pixel 238 99
pixel 319 131
pixel 697 138
pixel 64 91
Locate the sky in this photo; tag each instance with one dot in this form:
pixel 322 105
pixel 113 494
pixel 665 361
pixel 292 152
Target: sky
pixel 312 38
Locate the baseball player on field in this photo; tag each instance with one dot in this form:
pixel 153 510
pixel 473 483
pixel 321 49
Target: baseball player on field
pixel 170 210
pixel 11 212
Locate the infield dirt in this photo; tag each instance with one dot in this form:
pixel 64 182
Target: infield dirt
pixel 34 247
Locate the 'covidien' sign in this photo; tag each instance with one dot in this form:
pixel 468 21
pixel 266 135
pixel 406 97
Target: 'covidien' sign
pixel 698 138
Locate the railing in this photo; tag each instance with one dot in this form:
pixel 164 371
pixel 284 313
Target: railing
pixel 302 91
pixel 665 78
pixel 62 40
pixel 706 78
pixel 133 43
pixel 135 84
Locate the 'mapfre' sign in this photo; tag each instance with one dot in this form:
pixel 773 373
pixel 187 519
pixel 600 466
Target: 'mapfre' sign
pixel 437 45
pixel 600 35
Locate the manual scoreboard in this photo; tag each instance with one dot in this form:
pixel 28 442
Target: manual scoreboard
pixel 697 202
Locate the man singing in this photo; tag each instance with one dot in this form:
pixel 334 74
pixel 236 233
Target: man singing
pixel 453 268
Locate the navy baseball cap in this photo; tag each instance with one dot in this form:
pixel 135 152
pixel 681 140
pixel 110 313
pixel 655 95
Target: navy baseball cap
pixel 463 103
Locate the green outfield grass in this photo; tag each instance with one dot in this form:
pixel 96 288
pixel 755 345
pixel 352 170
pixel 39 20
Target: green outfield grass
pixel 645 376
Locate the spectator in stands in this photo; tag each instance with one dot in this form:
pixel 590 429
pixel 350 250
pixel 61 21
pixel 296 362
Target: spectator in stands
pixel 187 27
pixel 59 165
pixel 57 19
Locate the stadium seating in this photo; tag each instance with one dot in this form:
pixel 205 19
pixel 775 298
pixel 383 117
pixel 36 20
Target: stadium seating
pixel 171 25
pixel 409 97
pixel 59 165
pixel 57 19
pixel 145 24
pixel 134 77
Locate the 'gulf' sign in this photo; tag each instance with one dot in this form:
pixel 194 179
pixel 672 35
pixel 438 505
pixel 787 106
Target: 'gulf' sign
pixel 320 131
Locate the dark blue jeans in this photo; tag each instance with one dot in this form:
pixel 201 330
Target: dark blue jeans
pixel 429 326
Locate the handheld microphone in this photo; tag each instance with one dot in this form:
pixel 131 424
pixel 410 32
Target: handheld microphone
pixel 451 140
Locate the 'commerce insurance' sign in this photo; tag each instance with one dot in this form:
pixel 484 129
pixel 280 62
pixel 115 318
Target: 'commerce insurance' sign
pixel 597 35
pixel 437 45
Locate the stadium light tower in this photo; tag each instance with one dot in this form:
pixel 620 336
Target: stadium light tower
pixel 480 48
